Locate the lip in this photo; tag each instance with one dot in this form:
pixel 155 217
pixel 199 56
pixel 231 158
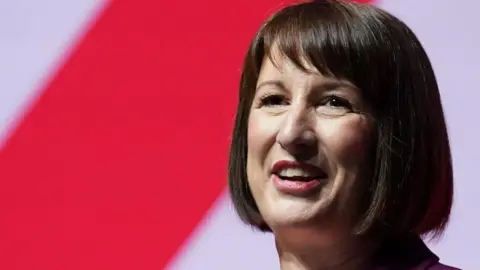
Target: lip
pixel 297 187
pixel 285 164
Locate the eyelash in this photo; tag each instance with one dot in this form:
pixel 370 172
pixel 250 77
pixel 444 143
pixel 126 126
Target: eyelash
pixel 341 102
pixel 271 100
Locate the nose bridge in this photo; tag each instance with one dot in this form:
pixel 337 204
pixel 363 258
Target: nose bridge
pixel 297 127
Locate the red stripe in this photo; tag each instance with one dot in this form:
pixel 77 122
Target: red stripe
pixel 126 149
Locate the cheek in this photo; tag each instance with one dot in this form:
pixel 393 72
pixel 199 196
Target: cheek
pixel 261 136
pixel 260 140
pixel 347 140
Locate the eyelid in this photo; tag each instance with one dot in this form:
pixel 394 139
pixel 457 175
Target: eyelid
pixel 269 89
pixel 332 96
pixel 341 93
pixel 268 96
pixel 273 84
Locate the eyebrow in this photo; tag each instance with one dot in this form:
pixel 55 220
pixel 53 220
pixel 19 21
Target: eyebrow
pixel 324 86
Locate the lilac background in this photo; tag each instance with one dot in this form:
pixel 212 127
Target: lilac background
pixel 32 44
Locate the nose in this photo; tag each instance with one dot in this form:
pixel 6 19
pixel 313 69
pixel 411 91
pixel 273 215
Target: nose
pixel 297 133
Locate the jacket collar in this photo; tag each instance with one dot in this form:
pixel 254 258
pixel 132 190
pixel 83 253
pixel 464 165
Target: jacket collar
pixel 404 252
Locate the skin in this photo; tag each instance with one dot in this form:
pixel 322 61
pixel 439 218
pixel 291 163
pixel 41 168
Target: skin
pixel 316 119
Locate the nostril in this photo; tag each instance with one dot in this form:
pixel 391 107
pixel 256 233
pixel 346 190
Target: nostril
pixel 302 151
pixel 298 138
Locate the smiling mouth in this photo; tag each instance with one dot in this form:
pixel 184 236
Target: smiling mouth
pixel 295 171
pixel 298 178
pixel 298 175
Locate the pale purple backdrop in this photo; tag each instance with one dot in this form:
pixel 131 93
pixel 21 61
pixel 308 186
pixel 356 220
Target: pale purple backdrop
pixel 448 29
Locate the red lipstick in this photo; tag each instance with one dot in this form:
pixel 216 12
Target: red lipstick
pixel 305 183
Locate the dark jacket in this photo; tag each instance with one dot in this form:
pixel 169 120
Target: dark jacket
pixel 408 252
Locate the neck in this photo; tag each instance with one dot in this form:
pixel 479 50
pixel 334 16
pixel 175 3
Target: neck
pixel 304 249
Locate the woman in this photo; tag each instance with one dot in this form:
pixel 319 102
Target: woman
pixel 340 146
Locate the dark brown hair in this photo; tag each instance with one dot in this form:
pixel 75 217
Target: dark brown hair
pixel 411 188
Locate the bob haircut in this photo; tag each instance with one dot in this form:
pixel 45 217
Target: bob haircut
pixel 411 183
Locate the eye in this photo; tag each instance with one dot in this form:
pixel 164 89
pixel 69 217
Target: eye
pixel 334 106
pixel 337 102
pixel 273 100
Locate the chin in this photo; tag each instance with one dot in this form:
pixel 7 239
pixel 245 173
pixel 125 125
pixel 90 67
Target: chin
pixel 281 210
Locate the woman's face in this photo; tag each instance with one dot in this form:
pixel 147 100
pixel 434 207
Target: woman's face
pixel 308 137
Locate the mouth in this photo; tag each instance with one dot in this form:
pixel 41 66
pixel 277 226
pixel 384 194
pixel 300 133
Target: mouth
pixel 297 178
pixel 296 171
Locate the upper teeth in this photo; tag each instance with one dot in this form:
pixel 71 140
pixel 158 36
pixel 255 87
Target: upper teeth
pixel 294 172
